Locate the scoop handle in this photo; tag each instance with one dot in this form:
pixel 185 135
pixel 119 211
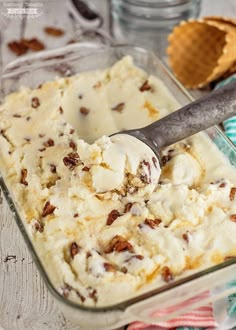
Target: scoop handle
pixel 192 118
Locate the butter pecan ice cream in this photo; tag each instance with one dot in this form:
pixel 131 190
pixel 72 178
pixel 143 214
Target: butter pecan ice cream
pixel 103 223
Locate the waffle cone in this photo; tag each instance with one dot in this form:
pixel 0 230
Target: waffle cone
pixel 201 51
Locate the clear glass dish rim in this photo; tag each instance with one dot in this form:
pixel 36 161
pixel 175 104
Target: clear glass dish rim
pixel 10 70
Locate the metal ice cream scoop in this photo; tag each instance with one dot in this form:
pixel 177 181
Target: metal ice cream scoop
pixel 192 118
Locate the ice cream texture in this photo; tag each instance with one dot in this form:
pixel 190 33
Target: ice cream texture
pixel 99 218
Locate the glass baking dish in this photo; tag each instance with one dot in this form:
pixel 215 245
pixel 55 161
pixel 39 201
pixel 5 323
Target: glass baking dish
pixel 34 70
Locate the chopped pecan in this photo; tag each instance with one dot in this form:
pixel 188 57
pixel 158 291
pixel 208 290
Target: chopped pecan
pixel 233 217
pixel 71 160
pixel 109 267
pixel 166 274
pixel 136 256
pixel 73 145
pixel 16 115
pixel 124 270
pixel 118 244
pixel 84 111
pixel 66 289
pixel 88 254
pixel 128 207
pixel 42 149
pixel 222 185
pixel 232 193
pixel 186 236
pixel 17 47
pixel 48 209
pixel 24 173
pixel 28 118
pixel 61 110
pixel 41 135
pixel 34 44
pixel 152 223
pixel 53 31
pixel 49 143
pixel 72 131
pixel 76 215
pixel 80 96
pixel 145 86
pixel 229 258
pixel 82 298
pixel 119 107
pixel 74 249
pixel 165 159
pixel 39 226
pixel 53 168
pixel 35 102
pixel 85 169
pixel 112 216
pixel 92 293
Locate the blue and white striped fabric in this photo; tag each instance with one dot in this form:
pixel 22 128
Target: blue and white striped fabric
pixel 229 124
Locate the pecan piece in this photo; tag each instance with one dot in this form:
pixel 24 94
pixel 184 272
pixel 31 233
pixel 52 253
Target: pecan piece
pixel 222 185
pixel 233 217
pixel 49 143
pixel 112 216
pixel 39 226
pixel 66 289
pixel 119 107
pixel 232 193
pixel 229 258
pixel 186 236
pixel 53 31
pixel 118 244
pixel 34 44
pixel 136 256
pixel 17 47
pixel 84 111
pixel 35 102
pixel 48 209
pixel 73 145
pixel 128 207
pixel 71 160
pixel 145 86
pixel 82 298
pixel 85 169
pixel 165 159
pixel 109 267
pixel 61 110
pixel 92 293
pixel 16 115
pixel 166 274
pixel 152 223
pixel 53 168
pixel 74 249
pixel 24 173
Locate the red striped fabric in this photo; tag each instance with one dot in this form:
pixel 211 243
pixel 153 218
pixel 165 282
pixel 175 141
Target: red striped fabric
pixel 201 317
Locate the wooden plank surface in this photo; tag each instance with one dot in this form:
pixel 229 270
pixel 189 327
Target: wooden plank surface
pixel 25 303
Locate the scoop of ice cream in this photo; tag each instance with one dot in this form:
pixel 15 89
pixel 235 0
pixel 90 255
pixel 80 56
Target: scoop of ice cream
pixel 127 165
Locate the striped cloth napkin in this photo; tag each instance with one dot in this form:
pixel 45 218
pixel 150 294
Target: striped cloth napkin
pixel 221 314
pixel 229 124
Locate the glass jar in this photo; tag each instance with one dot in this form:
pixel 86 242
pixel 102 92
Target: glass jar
pixel 148 22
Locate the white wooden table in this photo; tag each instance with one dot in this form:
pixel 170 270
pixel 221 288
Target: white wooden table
pixel 25 302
